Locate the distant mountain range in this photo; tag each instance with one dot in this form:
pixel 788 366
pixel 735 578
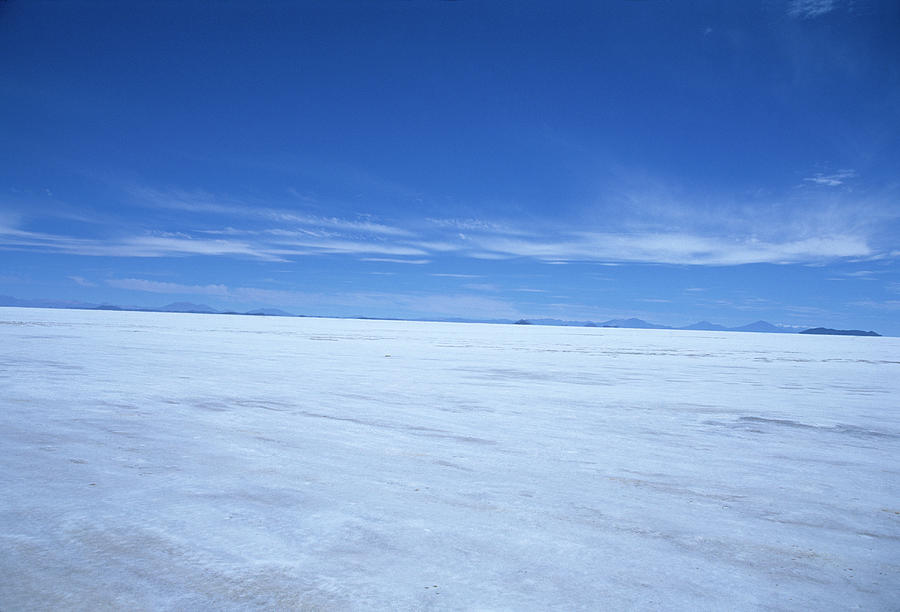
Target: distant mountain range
pixel 838 332
pixel 187 307
pixel 758 326
pixel 183 307
pixel 632 323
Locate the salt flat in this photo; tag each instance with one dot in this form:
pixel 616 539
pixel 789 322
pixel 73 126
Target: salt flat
pixel 177 461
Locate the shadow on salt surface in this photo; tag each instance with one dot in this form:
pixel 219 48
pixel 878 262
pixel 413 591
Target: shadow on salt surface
pixel 785 562
pixel 145 568
pixel 503 375
pixel 506 373
pixel 664 487
pixel 229 404
pixel 756 424
pixel 19 362
pixel 415 430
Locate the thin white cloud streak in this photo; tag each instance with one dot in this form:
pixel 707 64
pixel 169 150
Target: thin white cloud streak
pixel 676 249
pixel 809 9
pixel 662 248
pixel 183 245
pixel 203 202
pixel 16 237
pixel 340 224
pixel 482 287
pixel 417 262
pixel 479 225
pixel 831 180
pixel 654 227
pixel 866 275
pixel 440 246
pixel 82 281
pixel 355 247
pixel 138 246
pixel 154 246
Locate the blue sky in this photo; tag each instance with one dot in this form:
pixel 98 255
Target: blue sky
pixel 578 160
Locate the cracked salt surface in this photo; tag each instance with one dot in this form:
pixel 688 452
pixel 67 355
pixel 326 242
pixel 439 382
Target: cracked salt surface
pixel 232 463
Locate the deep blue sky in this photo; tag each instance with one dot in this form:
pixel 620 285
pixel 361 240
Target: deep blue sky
pixel 579 160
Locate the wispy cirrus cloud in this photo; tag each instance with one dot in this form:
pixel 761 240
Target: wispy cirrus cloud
pixel 354 247
pixel 491 287
pixel 133 246
pixel 831 180
pixel 560 247
pixel 638 224
pixel 181 244
pixel 416 262
pixel 479 225
pixel 868 275
pixel 675 248
pixel 809 9
pixel 254 208
pixel 163 246
pixel 80 280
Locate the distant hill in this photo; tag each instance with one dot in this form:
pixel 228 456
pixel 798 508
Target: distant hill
pixel 705 326
pixel 632 324
pixel 269 312
pixel 559 322
pixel 760 326
pixel 187 307
pixel 838 332
pixel 7 300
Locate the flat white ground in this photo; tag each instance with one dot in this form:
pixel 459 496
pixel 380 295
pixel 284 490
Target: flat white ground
pixel 183 462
